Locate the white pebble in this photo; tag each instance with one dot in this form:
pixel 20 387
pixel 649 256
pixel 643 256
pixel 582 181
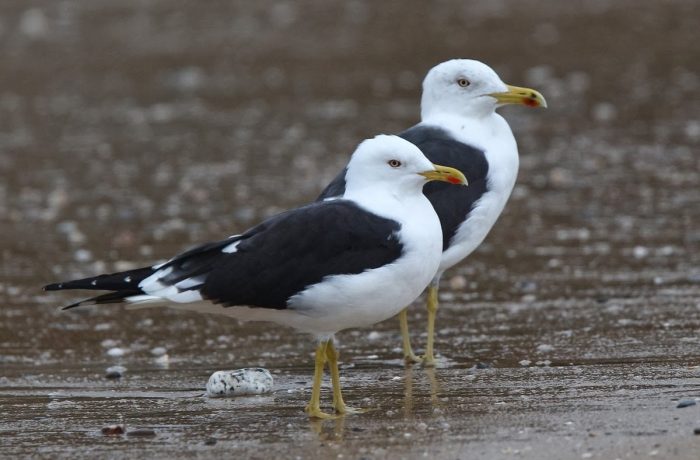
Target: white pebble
pixel 248 381
pixel 33 23
pixel 109 343
pixel 116 352
pixel 82 255
pixel 158 351
pixel 525 362
pixel 604 112
pixel 544 348
pixel 116 369
pixel 374 335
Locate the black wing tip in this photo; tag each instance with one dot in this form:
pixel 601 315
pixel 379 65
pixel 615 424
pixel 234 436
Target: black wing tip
pixel 53 287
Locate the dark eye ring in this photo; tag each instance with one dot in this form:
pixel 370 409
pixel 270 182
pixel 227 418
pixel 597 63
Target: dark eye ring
pixel 394 163
pixel 463 82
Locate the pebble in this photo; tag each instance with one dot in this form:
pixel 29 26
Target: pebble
pixel 458 282
pixel 483 366
pixel 34 23
pixel 116 352
pixel 525 362
pixel 158 351
pixel 696 431
pixel 640 252
pixel 143 432
pixel 247 381
pixel 108 343
pixel 115 372
pixel 113 430
pixel 685 403
pixel 210 442
pixel 374 335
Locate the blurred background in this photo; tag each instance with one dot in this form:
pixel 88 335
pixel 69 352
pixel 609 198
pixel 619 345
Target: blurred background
pixel 133 129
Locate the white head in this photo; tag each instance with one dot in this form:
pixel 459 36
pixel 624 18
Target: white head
pixel 392 163
pixel 469 88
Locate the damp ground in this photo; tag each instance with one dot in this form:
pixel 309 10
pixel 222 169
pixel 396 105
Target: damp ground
pixel 132 130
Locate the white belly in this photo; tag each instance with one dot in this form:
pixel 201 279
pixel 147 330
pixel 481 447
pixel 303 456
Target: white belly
pixel 501 152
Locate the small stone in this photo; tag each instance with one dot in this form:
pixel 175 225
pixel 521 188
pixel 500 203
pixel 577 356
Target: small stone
pixel 374 335
pixel 210 442
pixel 247 381
pixel 116 352
pixel 108 343
pixel 113 430
pixel 525 362
pixel 143 432
pixel 34 23
pixel 696 431
pixel 640 252
pixel 685 403
pixel 115 372
pixel 604 112
pixel 158 351
pixel 483 366
pixel 458 282
pixel 82 255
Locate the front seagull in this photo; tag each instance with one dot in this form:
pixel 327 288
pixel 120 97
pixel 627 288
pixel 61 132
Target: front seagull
pixel 321 268
pixel 460 128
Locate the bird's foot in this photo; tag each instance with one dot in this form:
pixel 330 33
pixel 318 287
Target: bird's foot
pixel 316 412
pixel 427 361
pixel 347 410
pixel 412 358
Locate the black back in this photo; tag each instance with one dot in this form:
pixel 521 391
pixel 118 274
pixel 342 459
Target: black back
pixel 452 204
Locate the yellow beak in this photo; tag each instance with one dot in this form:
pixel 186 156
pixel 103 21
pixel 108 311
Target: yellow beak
pixel 518 95
pixel 445 174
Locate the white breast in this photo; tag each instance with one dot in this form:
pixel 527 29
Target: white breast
pixel 345 301
pixel 495 138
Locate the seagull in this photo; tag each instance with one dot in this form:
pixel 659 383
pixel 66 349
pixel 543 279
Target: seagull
pixel 460 128
pixel 320 268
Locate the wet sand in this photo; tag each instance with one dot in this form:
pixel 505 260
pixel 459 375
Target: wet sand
pixel 131 130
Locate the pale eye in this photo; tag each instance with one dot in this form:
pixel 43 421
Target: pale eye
pixel 463 82
pixel 394 163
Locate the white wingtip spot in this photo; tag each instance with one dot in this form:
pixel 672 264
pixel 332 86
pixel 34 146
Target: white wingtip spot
pixel 231 248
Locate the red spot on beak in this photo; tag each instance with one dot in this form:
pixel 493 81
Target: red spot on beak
pixel 530 102
pixel 454 180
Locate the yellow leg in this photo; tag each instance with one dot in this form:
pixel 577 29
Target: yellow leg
pixel 429 358
pixel 408 354
pixel 314 406
pixel 338 403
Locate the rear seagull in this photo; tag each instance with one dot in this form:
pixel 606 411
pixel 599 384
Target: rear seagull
pixel 460 128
